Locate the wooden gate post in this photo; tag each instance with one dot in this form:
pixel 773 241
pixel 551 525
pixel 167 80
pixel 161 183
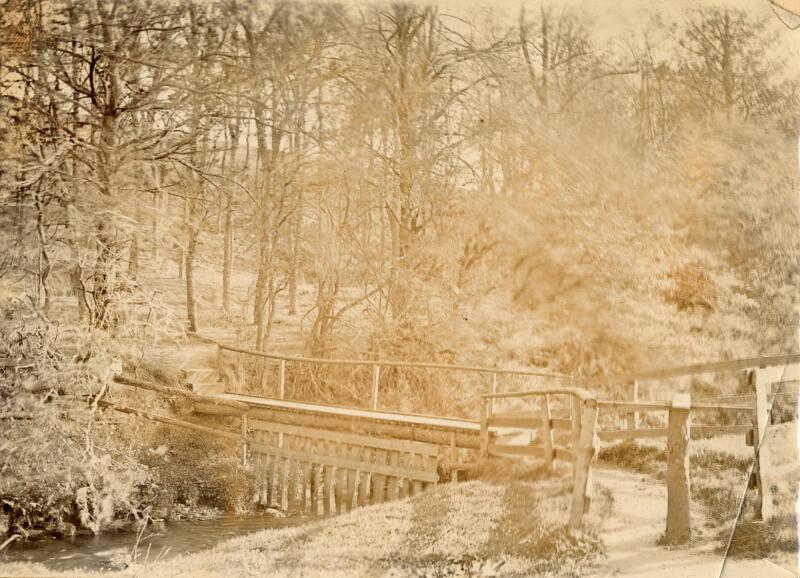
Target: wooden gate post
pixel 679 528
pixel 584 454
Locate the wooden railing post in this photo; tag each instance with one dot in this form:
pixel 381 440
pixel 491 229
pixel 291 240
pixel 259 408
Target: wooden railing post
pixel 760 422
pixel 220 359
pixel 584 454
pixel 238 386
pixel 244 440
pixel 547 433
pixel 633 416
pixel 679 529
pixel 484 436
pixel 282 379
pixel 376 380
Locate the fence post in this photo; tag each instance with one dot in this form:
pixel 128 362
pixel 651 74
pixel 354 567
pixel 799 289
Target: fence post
pixel 760 422
pixel 493 391
pixel 679 528
pixel 484 451
pixel 547 433
pixel 376 380
pixel 584 454
pixel 244 440
pixel 282 379
pixel 575 422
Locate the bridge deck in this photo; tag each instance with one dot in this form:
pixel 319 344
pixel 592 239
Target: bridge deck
pixel 437 422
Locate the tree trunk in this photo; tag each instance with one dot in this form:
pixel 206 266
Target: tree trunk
pixel 191 304
pixel 227 250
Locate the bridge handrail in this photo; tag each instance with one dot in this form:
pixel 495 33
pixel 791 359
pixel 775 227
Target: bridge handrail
pixel 395 363
pixel 707 367
pixel 577 392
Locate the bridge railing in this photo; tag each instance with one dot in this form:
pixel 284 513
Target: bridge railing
pixel 370 384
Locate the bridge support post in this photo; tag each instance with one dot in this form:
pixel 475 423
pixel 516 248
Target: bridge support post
pixel 584 455
pixel 679 529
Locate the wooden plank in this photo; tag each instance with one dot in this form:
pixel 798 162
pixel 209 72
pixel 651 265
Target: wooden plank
pixel 507 450
pixel 530 421
pixel 626 434
pixel 679 529
pixel 341 481
pixel 308 474
pixel 406 460
pixel 564 454
pixel 364 481
pixel 378 479
pixel 430 464
pixel 294 476
pixel 347 462
pixel 416 485
pixel 642 406
pixel 352 479
pixel 701 430
pixel 705 407
pixel 347 438
pixel 327 493
pixel 561 424
pixel 387 425
pixel 316 484
pixel 392 482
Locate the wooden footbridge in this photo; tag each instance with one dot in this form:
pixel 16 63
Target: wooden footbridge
pixel 321 458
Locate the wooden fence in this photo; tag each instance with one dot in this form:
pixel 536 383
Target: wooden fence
pixel 580 448
pixel 308 470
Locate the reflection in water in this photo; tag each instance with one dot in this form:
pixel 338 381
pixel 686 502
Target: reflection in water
pixel 106 550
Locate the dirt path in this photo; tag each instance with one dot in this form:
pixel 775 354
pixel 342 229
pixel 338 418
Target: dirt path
pixel 638 521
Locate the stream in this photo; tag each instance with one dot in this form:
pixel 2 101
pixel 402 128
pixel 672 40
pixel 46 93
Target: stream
pixel 109 550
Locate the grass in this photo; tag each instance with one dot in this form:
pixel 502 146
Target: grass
pixel 513 528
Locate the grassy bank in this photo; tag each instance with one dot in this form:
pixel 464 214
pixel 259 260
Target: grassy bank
pixel 513 528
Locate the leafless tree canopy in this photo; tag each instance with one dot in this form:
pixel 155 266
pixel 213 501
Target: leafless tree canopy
pixel 479 186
